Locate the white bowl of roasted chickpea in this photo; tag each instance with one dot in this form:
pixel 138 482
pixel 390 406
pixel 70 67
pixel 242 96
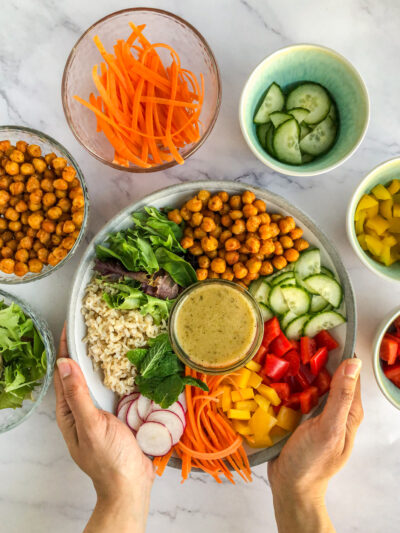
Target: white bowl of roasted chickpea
pixel 43 205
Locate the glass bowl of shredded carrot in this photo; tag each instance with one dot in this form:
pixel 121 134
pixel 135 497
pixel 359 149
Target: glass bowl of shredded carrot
pixel 141 90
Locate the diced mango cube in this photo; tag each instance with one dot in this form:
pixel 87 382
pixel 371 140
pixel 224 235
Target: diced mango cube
pixel 372 211
pixel 359 225
pixel 241 427
pixel 366 202
pixel 394 187
pixel 396 210
pixel 385 209
pixel 264 441
pixel 269 393
pixel 385 256
pixel 361 240
pixel 254 381
pixel 252 365
pixel 226 400
pixel 288 418
pixel 262 402
pixel 261 423
pixel 239 414
pixel 271 410
pixel 374 245
pixel 242 377
pixel 277 434
pixel 395 225
pixel 377 224
pixel 243 394
pixel 381 193
pixel 389 241
pixel 249 405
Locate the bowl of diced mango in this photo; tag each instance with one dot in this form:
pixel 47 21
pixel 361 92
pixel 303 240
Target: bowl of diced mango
pixel 373 220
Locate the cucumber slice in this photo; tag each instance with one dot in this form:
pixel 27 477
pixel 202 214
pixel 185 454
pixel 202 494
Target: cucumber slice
pixel 269 141
pixel 260 290
pixel 278 118
pixel 297 299
pixel 262 131
pixel 277 302
pixel 327 272
pixel 290 282
pixel 320 139
pixel 287 318
pixel 304 130
pixel 282 277
pixel 273 101
pixel 266 312
pixel 306 158
pixel 326 287
pixel 295 329
pixel 313 97
pixel 309 263
pixel 333 112
pixel 286 142
pixel 299 113
pixel 318 304
pixel 321 321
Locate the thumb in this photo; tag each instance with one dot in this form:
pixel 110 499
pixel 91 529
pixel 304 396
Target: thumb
pixel 340 399
pixel 76 393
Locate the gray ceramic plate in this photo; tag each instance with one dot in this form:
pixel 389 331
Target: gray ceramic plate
pixel 175 196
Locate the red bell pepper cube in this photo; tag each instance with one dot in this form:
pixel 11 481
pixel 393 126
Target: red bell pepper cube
pixel 389 349
pixel 308 347
pixel 260 355
pixel 280 345
pixel 296 345
pixel 392 372
pixel 271 330
pixel 275 367
pixel 318 360
pixel 323 381
pixel 282 390
pixel 304 377
pixel 293 384
pixel 308 399
pixel 324 338
pixel 294 359
pixel 265 379
pixel 293 401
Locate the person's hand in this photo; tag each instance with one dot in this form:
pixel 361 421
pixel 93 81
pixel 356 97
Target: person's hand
pixel 105 449
pixel 315 452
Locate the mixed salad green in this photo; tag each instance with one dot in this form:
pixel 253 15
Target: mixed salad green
pixel 22 356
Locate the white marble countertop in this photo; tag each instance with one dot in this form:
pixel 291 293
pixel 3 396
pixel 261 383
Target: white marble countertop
pixel 41 490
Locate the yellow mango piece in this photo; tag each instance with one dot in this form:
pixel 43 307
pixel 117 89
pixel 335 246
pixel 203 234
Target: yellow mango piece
pixel 252 365
pixel 239 414
pixel 389 241
pixel 242 377
pixel 395 225
pixel 277 434
pixel 288 418
pixel 249 405
pixel 381 193
pixel 385 256
pixel 226 400
pixel 372 211
pixel 366 202
pixel 385 209
pixel 261 423
pixel 374 245
pixel 262 402
pixel 369 231
pixel 396 198
pixel 264 441
pixel 269 393
pixel 271 410
pixel 241 427
pixel 244 394
pixel 361 240
pixel 396 210
pixel 377 224
pixel 394 187
pixel 359 224
pixel 254 381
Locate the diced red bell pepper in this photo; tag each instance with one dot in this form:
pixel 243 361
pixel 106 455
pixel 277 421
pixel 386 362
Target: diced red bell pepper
pixel 275 367
pixel 265 379
pixel 304 377
pixel 296 345
pixel 323 382
pixel 293 384
pixel 282 390
pixel 318 360
pixel 394 338
pixel 293 401
pixel 389 349
pixel 324 338
pixel 260 355
pixel 392 372
pixel 308 399
pixel 308 347
pixel 294 359
pixel 271 330
pixel 280 345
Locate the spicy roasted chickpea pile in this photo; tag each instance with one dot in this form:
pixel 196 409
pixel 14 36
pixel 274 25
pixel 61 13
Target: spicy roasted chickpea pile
pixel 234 238
pixel 41 208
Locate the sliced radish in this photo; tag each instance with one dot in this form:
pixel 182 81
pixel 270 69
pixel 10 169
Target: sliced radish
pixel 154 439
pixel 171 421
pixel 126 399
pixel 178 410
pixel 182 401
pixel 144 407
pixel 132 417
pixel 122 412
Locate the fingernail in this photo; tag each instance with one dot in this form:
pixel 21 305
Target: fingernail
pixel 64 367
pixel 352 368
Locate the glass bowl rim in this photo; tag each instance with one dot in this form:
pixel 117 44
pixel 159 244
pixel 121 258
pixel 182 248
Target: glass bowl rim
pixel 255 343
pixel 72 54
pixel 24 129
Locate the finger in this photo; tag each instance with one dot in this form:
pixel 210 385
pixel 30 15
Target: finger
pixel 356 415
pixel 64 416
pixel 63 348
pixel 340 399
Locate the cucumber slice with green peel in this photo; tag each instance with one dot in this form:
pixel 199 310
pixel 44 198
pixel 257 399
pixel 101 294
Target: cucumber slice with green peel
pixel 309 263
pixel 287 318
pixel 260 290
pixel 277 302
pixel 299 113
pixel 278 118
pixel 320 139
pixel 269 141
pixel 304 130
pixel 325 320
pixel 318 304
pixel 327 272
pixel 286 142
pixel 306 158
pixel 262 131
pixel 313 97
pixel 295 329
pixel 333 112
pixel 290 282
pixel 266 312
pixel 297 299
pixel 326 287
pixel 282 277
pixel 273 101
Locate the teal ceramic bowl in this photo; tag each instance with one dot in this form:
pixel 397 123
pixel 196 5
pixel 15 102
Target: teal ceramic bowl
pixel 384 174
pixel 308 62
pixel 389 389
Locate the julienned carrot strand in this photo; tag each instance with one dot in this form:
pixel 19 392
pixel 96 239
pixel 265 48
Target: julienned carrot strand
pixel 210 456
pixel 135 33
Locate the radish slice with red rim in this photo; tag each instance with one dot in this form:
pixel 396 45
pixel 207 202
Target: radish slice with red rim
pixel 178 410
pixel 122 412
pixel 132 417
pixel 144 407
pixel 154 439
pixel 171 421
pixel 182 401
pixel 126 399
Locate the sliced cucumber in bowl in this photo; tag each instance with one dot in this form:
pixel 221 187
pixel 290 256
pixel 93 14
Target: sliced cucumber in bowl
pixel 326 287
pixel 313 97
pixel 273 101
pixel 260 290
pixel 277 301
pixel 295 328
pixel 278 118
pixel 321 321
pixel 262 131
pixel 320 139
pixel 298 300
pixel 286 142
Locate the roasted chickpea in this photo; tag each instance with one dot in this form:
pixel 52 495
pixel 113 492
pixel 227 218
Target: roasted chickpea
pixel 39 165
pixel 253 265
pixel 37 245
pixel 7 265
pixel 260 204
pixel 187 242
pixel 212 275
pixel 24 217
pixel 238 227
pixel 68 227
pixel 77 218
pixel 264 218
pixel 188 232
pixel 226 221
pixel 274 229
pixel 232 244
pixel 35 220
pixel 194 205
pixel 36 196
pixel 32 254
pixel 276 217
pixel 224 196
pixel 286 242
pixel 240 270
pixel 226 234
pixel 209 244
pixel 17 188
pixel 291 255
pixel 4 198
pixel 196 249
pixel 59 163
pixel 12 214
pixel 34 150
pixel 68 242
pixel 49 199
pixel 278 248
pixel 55 239
pixel 296 233
pixel 199 233
pixel 76 184
pixel 208 224
pixel 279 262
pixel 201 274
pixel 216 232
pixel 235 202
pixel 244 249
pixel 15 226
pixel 27 169
pixel 65 205
pixel 77 191
pixel 248 197
pixel 59 228
pixel 196 219
pixel 253 223
pixel 173 215
pixel 49 226
pixel 225 209
pixel 5 182
pixel 184 212
pixel 6 252
pixel 236 214
pixel 267 247
pixel 35 265
pixel 21 146
pixel 204 261
pixel 47 185
pixel 266 268
pixel 231 257
pixel 49 157
pixel 204 196
pixel 7 236
pixel 54 213
pixel 52 260
pixel 26 242
pixel 60 184
pixel 19 235
pixel 253 244
pixel 3 224
pixel 221 253
pixel 218 265
pixel 68 174
pixel 30 232
pixel 75 234
pixel 301 244
pixel 43 254
pixel 20 269
pixel 228 274
pixel 214 203
pixel 17 156
pixel 212 255
pixel 34 207
pixel 32 184
pixel 286 225
pixel 22 255
pixel 249 210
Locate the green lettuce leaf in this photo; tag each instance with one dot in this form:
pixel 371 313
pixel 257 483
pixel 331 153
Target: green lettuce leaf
pixel 180 270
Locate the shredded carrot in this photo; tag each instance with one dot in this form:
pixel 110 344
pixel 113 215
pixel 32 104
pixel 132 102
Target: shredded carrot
pixel 147 110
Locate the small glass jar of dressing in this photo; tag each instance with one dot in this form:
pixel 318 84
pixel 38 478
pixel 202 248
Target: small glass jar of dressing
pixel 215 326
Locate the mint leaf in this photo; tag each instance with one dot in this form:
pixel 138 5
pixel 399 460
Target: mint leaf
pixel 136 356
pixel 194 382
